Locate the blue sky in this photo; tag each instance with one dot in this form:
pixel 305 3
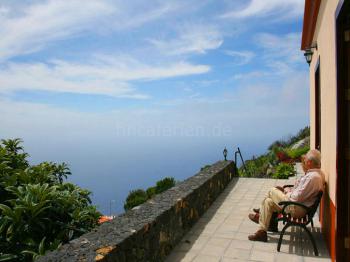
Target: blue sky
pixel 105 56
pixel 104 72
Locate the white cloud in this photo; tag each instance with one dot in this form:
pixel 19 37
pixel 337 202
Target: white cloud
pixel 42 23
pixel 286 46
pixel 252 107
pixel 191 38
pixel 135 13
pixel 263 8
pixel 3 12
pixel 27 28
pixel 30 27
pixel 104 76
pixel 206 82
pixel 289 95
pixel 280 52
pixel 241 57
pixel 251 75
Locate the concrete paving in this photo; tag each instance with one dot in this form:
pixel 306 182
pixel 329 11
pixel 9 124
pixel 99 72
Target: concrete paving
pixel 222 232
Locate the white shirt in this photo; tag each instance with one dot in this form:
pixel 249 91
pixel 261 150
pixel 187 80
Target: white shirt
pixel 307 187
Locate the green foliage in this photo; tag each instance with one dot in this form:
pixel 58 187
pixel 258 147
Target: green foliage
pixel 267 165
pixel 287 142
pixel 139 196
pixel 135 198
pixel 257 167
pixel 38 210
pixel 164 184
pixel 151 191
pixel 297 153
pixel 283 171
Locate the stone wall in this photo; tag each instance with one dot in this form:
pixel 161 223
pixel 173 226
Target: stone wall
pixel 149 231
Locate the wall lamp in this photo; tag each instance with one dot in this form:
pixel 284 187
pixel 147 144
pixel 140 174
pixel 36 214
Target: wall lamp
pixel 308 53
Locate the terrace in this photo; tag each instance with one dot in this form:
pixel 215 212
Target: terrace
pixel 203 218
pixel 221 233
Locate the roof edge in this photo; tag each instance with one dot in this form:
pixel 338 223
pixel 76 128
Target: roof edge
pixel 311 10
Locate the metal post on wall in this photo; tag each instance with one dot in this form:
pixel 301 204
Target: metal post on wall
pixel 240 154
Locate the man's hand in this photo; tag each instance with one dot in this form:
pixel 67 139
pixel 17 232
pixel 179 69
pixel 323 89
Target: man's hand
pixel 288 189
pixel 280 188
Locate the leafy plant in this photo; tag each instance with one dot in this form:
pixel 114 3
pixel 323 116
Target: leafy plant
pixel 282 154
pixel 287 142
pixel 139 196
pixel 297 153
pixel 135 198
pixel 257 166
pixel 283 171
pixel 38 210
pixel 279 152
pixel 165 184
pixel 151 191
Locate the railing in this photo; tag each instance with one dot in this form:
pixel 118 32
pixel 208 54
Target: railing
pixel 238 152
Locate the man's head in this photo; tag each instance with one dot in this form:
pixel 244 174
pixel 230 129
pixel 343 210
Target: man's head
pixel 311 160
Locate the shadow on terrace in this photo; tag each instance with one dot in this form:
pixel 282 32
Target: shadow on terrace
pixel 221 234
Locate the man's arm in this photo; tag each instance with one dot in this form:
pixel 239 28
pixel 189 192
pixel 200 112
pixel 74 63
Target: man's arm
pixel 303 191
pixel 288 188
pixel 280 188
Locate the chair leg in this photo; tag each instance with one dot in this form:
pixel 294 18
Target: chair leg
pixel 273 226
pixel 312 223
pixel 281 236
pixel 312 239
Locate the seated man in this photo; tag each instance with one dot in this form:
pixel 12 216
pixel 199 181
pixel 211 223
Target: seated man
pixel 304 191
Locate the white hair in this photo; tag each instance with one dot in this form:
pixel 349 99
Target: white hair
pixel 315 157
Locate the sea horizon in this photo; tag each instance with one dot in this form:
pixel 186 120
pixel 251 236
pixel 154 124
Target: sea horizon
pixel 110 173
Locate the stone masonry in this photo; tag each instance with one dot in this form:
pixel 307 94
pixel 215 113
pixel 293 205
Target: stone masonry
pixel 150 231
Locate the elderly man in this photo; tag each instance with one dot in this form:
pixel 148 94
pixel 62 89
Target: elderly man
pixel 304 191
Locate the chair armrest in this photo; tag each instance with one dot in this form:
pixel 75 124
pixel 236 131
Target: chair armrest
pixel 288 186
pixel 292 203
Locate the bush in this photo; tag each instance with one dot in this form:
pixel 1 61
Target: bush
pixel 265 165
pixel 139 196
pixel 135 198
pixel 151 191
pixel 286 142
pixel 297 153
pixel 282 155
pixel 38 210
pixel 257 167
pixel 283 171
pixel 164 184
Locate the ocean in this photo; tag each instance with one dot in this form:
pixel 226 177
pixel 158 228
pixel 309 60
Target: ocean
pixel 110 169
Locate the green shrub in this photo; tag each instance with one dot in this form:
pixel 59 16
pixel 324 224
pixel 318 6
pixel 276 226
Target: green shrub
pixel 265 165
pixel 38 210
pixel 283 171
pixel 257 167
pixel 151 191
pixel 135 198
pixel 164 184
pixel 139 196
pixel 296 153
pixel 286 142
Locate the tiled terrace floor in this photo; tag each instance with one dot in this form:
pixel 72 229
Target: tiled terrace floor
pixel 222 233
